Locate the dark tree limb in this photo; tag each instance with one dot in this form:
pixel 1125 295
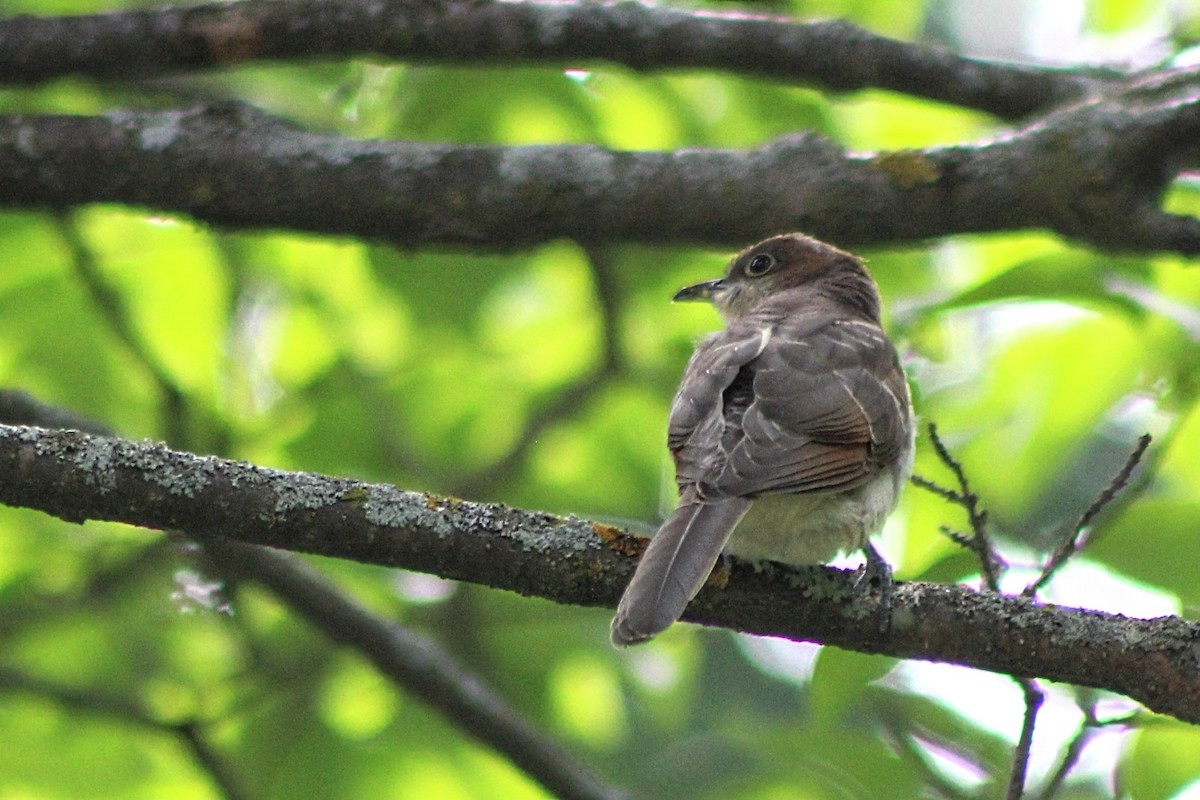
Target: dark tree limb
pixel 417 663
pixel 835 55
pixel 1094 171
pixel 76 477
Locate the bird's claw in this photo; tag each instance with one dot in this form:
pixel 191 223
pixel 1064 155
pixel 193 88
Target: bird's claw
pixel 877 569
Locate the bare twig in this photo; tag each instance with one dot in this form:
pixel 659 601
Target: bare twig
pixel 571 400
pixel 112 310
pixel 1089 726
pixel 1077 538
pixel 978 540
pixel 417 663
pixel 116 707
pixel 1034 697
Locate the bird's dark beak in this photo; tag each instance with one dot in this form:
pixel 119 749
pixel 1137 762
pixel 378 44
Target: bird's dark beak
pixel 701 291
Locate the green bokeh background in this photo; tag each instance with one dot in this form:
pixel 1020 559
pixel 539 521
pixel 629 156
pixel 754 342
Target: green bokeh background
pixel 1040 360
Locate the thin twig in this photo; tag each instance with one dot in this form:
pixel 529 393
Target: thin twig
pixel 114 313
pixel 1088 728
pixel 905 743
pixel 569 401
pixel 123 709
pixel 417 663
pixel 941 491
pixel 1033 703
pixel 978 541
pixel 1077 538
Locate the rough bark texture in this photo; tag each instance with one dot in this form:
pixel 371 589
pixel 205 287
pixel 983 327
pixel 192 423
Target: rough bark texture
pixel 1094 171
pixel 78 477
pixel 833 54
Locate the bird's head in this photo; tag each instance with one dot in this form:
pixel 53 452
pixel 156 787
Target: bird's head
pixel 790 261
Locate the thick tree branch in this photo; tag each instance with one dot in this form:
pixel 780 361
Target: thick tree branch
pixel 835 55
pixel 1094 171
pixel 78 477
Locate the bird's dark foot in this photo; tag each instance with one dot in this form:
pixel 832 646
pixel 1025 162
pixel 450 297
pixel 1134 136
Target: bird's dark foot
pixel 877 571
pixel 721 571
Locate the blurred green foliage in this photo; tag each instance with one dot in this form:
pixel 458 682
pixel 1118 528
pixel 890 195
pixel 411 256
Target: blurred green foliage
pixel 443 370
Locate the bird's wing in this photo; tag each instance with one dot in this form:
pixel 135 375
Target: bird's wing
pixel 821 406
pixel 695 430
pixel 682 553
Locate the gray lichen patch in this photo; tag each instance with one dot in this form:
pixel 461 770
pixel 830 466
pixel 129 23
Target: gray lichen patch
pixel 303 492
pixel 389 507
pixel 157 464
pixel 98 460
pixel 574 535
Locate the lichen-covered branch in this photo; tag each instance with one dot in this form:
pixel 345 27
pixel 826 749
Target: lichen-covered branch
pixel 78 477
pixel 1094 171
pixel 833 54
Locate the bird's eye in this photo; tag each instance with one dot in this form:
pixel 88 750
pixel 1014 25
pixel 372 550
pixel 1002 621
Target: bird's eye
pixel 760 265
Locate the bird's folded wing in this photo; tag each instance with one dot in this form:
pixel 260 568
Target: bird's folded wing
pixel 805 403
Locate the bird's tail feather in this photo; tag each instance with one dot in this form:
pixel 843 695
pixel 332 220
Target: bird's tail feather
pixel 675 565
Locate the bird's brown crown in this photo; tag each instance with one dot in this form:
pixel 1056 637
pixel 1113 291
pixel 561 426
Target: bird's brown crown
pixel 791 261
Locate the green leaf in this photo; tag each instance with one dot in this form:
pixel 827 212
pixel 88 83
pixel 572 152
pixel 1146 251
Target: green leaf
pixel 1066 276
pixel 1165 758
pixel 840 681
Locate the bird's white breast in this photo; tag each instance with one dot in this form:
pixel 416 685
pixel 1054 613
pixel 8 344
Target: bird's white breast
pixel 814 528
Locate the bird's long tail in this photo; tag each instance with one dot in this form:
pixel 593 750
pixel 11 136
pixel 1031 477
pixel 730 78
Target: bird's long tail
pixel 675 565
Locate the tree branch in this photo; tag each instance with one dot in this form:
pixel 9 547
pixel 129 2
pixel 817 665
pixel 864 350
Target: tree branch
pixel 1034 697
pixel 835 55
pixel 1076 538
pixel 1110 159
pixel 76 477
pixel 417 663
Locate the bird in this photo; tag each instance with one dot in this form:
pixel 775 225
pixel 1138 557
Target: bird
pixel 792 430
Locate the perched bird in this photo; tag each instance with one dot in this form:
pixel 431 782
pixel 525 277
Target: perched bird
pixel 792 429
